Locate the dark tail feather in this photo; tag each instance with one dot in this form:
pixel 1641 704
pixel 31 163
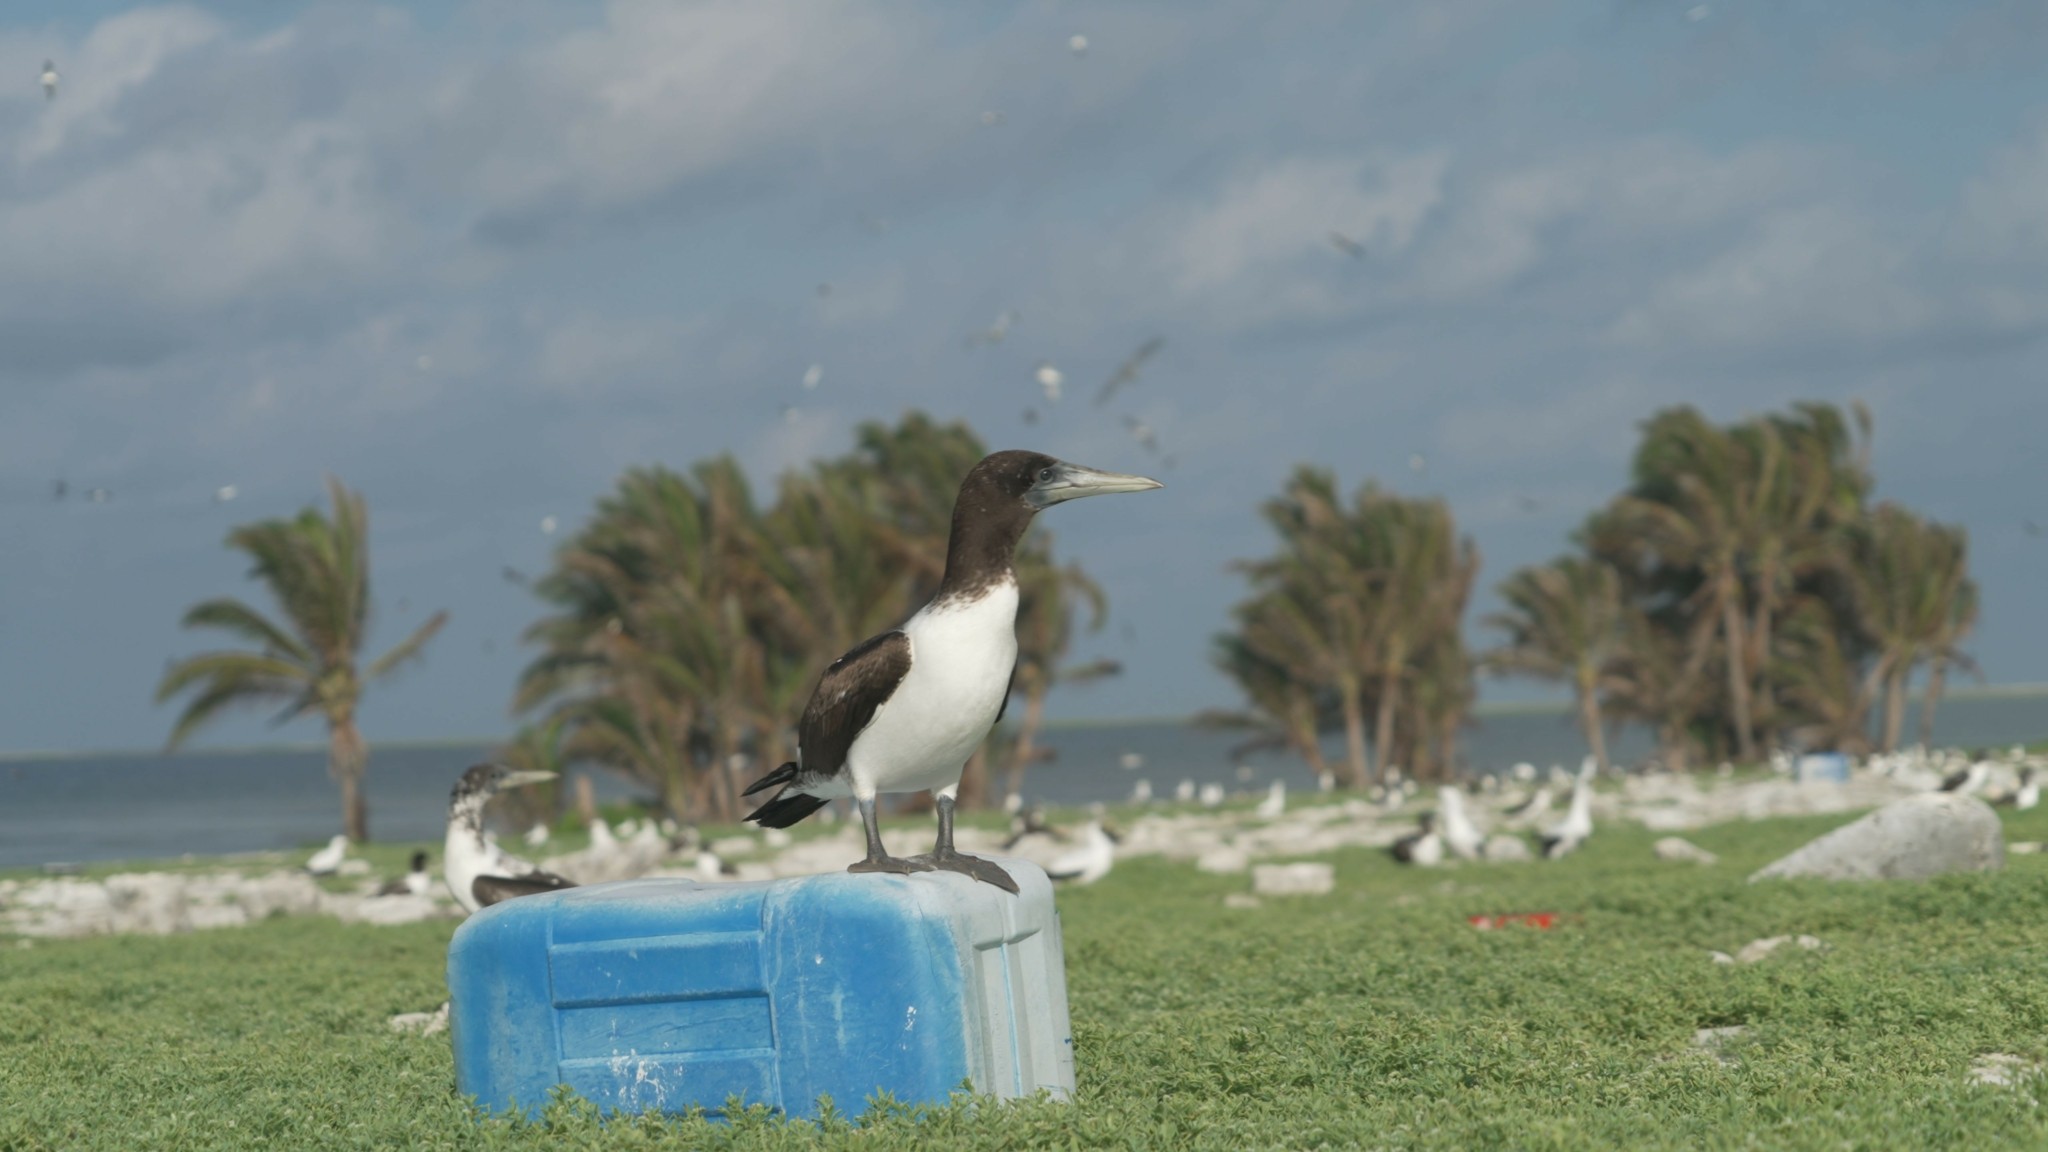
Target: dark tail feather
pixel 786 809
pixel 782 775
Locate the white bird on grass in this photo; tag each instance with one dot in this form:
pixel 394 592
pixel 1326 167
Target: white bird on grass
pixel 1141 792
pixel 413 883
pixel 327 860
pixel 1211 795
pixel 537 835
pixel 1577 825
pixel 1089 862
pixel 1184 791
pixel 1422 846
pixel 1275 802
pixel 1459 834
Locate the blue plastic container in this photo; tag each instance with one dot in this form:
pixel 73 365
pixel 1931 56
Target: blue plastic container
pixel 1830 766
pixel 648 995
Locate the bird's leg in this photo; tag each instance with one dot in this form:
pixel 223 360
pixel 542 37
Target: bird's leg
pixel 946 859
pixel 878 859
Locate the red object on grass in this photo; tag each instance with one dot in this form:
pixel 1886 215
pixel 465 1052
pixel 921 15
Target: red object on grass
pixel 1532 919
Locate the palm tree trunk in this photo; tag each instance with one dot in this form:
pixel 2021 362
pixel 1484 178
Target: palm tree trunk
pixel 1383 728
pixel 974 779
pixel 1738 679
pixel 1589 719
pixel 1895 707
pixel 346 759
pixel 1027 738
pixel 1358 767
pixel 1936 676
pixel 1301 730
pixel 1761 651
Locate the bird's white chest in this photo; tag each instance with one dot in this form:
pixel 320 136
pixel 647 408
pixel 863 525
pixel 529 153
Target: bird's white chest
pixel 961 658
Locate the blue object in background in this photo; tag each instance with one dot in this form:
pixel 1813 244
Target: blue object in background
pixel 648 995
pixel 1823 766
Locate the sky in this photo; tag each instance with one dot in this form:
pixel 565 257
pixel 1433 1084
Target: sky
pixel 477 260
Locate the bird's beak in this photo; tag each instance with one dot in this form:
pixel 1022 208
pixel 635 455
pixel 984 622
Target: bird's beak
pixel 1071 482
pixel 521 779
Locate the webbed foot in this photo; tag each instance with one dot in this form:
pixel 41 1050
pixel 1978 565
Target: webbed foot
pixel 895 864
pixel 986 871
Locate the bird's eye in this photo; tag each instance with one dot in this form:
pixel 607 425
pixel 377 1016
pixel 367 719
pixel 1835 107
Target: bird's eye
pixel 1045 473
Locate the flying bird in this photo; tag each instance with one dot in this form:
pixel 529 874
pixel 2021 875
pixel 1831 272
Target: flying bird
pixel 1050 379
pixel 479 873
pixel 904 710
pixel 994 333
pixel 1347 245
pixel 514 576
pixel 1142 433
pixel 1077 44
pixel 49 80
pixel 813 375
pixel 1127 372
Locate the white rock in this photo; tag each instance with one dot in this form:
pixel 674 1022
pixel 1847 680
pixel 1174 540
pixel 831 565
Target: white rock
pixel 1224 859
pixel 1503 848
pixel 424 1023
pixel 1679 848
pixel 1756 950
pixel 1303 879
pixel 1920 836
pixel 2002 1069
pixel 1242 900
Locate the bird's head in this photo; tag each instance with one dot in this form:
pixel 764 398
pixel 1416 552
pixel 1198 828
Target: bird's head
pixel 1038 481
pixel 483 781
pixel 419 861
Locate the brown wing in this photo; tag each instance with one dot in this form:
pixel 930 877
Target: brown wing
pixel 846 699
pixel 489 890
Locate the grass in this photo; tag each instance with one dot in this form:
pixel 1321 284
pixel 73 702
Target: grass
pixel 1375 1017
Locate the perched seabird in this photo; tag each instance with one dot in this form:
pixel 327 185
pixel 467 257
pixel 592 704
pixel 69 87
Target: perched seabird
pixel 712 866
pixel 601 836
pixel 537 835
pixel 2024 797
pixel 1184 792
pixel 904 710
pixel 1141 792
pixel 1422 846
pixel 480 873
pixel 1090 861
pixel 413 883
pixel 1577 825
pixel 1275 802
pixel 1211 795
pixel 1534 808
pixel 1459 834
pixel 1030 822
pixel 1968 780
pixel 328 859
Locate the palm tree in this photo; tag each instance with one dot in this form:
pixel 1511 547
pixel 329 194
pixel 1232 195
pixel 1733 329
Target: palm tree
pixel 1692 506
pixel 317 568
pixel 1564 622
pixel 1916 602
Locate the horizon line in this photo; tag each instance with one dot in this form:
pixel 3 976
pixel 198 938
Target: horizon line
pixel 1497 708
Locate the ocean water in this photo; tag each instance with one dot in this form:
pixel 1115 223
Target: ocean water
pixel 148 806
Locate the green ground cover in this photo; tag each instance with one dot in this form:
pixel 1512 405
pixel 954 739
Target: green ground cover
pixel 1375 1017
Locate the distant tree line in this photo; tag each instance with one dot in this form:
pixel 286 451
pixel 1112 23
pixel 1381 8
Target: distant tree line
pixel 688 623
pixel 1743 594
